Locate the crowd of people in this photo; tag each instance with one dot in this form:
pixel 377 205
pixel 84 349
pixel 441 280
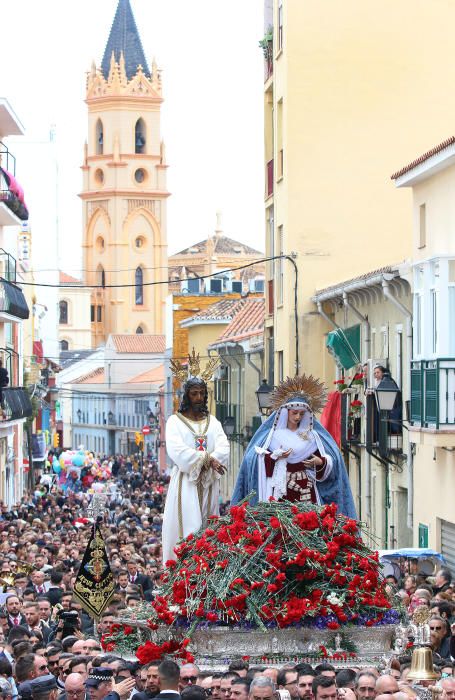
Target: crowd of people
pixel 50 648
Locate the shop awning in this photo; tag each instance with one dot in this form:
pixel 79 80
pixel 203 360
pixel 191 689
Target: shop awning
pixel 344 345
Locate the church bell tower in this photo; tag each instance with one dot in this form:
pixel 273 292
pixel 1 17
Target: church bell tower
pixel 124 188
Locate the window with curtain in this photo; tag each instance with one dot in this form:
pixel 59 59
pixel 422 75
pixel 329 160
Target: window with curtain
pixel 139 288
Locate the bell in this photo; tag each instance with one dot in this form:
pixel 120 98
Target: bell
pixel 422 665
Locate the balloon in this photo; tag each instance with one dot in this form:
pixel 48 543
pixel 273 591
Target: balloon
pixel 78 460
pixel 57 468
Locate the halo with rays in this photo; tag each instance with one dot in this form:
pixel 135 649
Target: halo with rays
pixel 308 387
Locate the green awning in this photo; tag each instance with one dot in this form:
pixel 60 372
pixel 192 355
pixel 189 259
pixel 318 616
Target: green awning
pixel 344 345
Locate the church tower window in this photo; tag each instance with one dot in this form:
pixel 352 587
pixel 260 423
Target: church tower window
pixel 99 138
pixel 139 288
pixel 139 136
pixel 100 276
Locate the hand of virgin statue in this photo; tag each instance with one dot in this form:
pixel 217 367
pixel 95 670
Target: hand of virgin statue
pixel 315 461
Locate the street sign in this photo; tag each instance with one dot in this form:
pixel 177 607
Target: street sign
pixel 146 430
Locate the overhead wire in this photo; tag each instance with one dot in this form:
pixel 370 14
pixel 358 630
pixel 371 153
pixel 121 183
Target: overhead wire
pixel 157 282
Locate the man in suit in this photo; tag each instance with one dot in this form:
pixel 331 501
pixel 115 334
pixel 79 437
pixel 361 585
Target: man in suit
pixel 137 578
pixel 169 675
pixel 13 607
pixel 40 586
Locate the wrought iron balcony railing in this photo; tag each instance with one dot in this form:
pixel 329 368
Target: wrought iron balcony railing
pixel 433 393
pixel 15 404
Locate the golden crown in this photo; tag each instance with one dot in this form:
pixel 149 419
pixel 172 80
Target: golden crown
pixel 192 369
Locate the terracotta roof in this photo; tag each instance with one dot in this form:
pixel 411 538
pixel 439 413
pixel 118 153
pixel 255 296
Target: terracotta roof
pixel 96 376
pixel 366 276
pixel 222 311
pixel 421 159
pixel 67 279
pixel 223 245
pixel 139 343
pixel 151 376
pixel 249 321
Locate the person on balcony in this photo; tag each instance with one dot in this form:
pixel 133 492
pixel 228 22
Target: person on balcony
pixel 292 457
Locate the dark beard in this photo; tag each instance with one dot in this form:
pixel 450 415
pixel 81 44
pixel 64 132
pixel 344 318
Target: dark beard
pixel 198 407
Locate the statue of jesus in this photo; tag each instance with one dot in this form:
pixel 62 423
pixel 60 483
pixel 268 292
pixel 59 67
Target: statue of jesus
pixel 199 449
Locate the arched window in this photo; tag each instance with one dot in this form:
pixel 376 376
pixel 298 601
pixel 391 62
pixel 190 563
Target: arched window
pixel 139 136
pixel 100 276
pixel 139 330
pixel 64 345
pixel 139 289
pixel 99 138
pixel 63 312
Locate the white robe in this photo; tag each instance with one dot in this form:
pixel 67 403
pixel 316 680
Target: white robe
pixel 180 445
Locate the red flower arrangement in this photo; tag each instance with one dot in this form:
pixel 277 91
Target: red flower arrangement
pixel 274 564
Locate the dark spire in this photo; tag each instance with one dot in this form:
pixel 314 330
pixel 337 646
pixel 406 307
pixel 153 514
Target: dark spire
pixel 124 37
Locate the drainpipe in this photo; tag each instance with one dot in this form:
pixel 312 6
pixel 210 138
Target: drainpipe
pixel 408 314
pixel 324 315
pixel 366 350
pixel 251 363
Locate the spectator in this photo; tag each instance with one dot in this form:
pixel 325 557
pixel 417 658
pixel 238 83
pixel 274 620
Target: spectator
pixel 240 689
pixel 365 685
pixel 324 687
pixel 262 688
pixel 305 682
pixel 287 680
pixel 169 675
pixel 442 581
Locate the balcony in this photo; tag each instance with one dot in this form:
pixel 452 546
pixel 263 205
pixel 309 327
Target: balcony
pixel 433 401
pixel 13 209
pixel 13 305
pixel 16 405
pixel 362 425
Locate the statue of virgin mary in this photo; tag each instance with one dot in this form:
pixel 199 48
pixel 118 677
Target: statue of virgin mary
pixel 292 456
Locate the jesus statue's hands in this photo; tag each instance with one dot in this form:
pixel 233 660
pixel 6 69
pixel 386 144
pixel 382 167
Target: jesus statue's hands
pixel 217 466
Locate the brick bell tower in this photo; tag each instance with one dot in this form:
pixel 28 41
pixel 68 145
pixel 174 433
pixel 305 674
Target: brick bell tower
pixel 124 188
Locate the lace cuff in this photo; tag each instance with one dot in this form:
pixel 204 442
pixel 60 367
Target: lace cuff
pixel 200 468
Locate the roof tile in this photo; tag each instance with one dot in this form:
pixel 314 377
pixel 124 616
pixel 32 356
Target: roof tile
pixel 223 310
pixel 421 159
pixel 68 279
pixel 155 375
pixel 248 321
pixel 138 343
pixel 96 376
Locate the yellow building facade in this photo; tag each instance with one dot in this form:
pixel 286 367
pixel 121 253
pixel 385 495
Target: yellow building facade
pixel 431 180
pixel 350 91
pixel 124 188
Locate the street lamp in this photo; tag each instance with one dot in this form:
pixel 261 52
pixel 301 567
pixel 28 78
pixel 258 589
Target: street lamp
pixel 79 414
pixel 110 418
pixel 386 393
pixel 264 395
pixel 229 426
